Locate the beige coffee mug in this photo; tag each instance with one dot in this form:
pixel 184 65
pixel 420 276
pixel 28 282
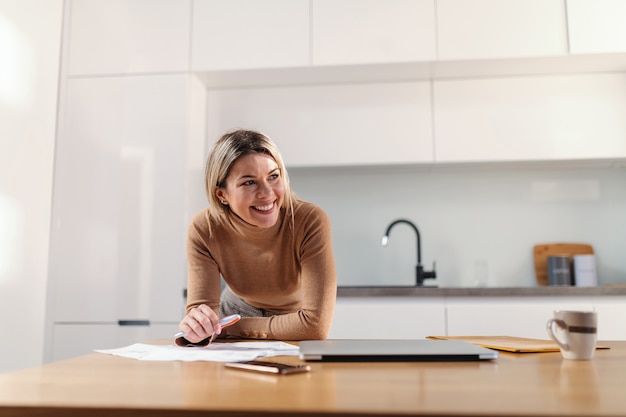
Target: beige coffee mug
pixel 575 332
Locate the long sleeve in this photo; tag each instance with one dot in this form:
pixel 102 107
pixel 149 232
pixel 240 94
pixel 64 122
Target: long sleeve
pixel 203 276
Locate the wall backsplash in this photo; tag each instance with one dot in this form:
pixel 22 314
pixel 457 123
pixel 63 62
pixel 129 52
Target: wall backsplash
pixel 469 216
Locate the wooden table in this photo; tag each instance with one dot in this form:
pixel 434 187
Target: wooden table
pixel 529 384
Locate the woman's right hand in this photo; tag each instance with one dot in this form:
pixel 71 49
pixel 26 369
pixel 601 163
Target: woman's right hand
pixel 200 323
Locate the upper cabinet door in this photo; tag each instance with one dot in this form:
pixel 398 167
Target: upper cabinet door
pixel 324 125
pixel 596 26
pixel 129 36
pixel 245 34
pixel 531 118
pixel 373 31
pixel 476 29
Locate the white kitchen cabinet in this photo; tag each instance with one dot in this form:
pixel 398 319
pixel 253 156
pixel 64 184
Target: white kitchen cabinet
pixel 118 227
pixel 596 26
pixel 388 318
pixel 507 316
pixel 71 340
pixel 479 29
pixel 611 312
pixel 518 316
pixel 245 34
pixel 129 36
pixel 373 31
pixel 570 117
pixel 332 124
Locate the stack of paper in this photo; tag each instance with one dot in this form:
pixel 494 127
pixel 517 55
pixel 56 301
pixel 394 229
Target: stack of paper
pixel 216 352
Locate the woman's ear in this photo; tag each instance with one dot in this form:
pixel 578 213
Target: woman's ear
pixel 219 193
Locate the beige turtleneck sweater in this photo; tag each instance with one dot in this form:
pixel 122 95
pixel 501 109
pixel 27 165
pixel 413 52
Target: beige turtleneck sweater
pixel 283 269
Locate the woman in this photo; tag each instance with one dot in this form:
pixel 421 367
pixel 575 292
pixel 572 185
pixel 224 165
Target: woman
pixel 273 251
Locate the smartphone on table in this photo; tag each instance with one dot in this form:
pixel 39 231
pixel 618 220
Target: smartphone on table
pixel 268 367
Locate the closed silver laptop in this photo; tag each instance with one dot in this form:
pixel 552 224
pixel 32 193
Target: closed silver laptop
pixel 386 350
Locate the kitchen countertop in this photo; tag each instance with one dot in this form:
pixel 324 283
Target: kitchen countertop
pixel 399 291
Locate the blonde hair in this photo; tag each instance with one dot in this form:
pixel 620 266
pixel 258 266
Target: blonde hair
pixel 228 149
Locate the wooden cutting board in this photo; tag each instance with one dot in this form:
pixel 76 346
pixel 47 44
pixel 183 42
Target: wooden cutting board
pixel 543 250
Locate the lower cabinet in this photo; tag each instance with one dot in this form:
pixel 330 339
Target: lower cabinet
pixel 507 316
pixel 70 340
pixel 611 312
pixel 416 317
pixel 388 318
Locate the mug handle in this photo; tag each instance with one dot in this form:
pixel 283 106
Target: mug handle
pixel 550 327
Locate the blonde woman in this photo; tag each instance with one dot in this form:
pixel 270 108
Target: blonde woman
pixel 273 251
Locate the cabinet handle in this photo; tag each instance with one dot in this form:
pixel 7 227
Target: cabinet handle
pixel 133 322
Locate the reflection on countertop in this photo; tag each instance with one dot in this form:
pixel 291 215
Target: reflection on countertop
pixel 406 291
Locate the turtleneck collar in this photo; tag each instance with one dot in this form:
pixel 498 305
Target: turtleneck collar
pixel 255 232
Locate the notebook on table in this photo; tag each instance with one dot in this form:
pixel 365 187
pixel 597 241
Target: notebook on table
pixel 387 350
pixel 510 343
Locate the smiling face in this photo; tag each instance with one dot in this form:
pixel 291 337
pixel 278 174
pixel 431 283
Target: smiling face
pixel 254 189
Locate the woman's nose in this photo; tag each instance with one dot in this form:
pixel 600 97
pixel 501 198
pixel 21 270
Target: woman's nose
pixel 263 189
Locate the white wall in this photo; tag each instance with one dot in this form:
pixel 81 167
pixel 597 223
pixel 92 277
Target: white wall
pixel 30 41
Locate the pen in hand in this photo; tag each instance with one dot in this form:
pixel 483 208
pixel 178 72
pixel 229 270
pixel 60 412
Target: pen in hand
pixel 224 322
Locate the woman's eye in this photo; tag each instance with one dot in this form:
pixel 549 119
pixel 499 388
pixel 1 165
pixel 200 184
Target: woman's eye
pixel 274 176
pixel 249 182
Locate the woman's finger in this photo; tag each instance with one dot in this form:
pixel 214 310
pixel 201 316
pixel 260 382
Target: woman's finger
pixel 199 324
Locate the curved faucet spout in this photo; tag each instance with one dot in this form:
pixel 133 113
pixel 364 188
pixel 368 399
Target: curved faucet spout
pixel 420 274
pixel 417 233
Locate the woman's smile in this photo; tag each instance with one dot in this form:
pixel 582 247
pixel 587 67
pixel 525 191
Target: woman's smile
pixel 267 207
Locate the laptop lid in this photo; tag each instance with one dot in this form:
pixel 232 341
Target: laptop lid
pixel 386 350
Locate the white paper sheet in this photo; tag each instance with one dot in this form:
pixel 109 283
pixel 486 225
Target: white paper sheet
pixel 216 352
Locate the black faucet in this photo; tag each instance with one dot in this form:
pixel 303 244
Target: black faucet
pixel 420 274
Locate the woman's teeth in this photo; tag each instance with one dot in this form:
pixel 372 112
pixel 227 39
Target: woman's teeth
pixel 264 208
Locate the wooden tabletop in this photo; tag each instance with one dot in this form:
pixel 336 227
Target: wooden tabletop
pixel 526 384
